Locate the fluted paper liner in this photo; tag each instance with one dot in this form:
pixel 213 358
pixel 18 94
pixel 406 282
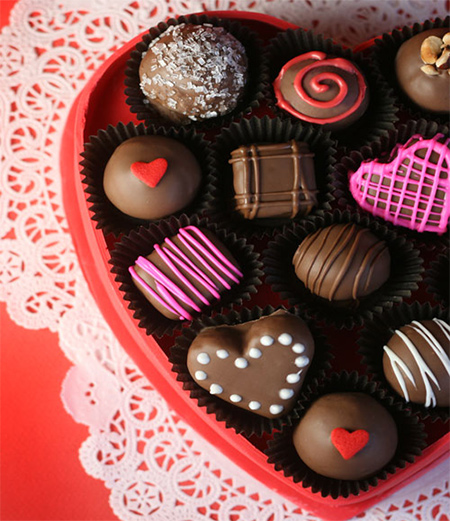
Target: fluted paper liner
pixel 438 278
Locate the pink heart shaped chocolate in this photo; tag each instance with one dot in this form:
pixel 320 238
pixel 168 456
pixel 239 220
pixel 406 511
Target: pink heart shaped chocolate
pixel 411 189
pixel 258 366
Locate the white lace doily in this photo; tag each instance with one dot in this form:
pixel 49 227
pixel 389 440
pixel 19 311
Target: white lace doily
pixel 155 466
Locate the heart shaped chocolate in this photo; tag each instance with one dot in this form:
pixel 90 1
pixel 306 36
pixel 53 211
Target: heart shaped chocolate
pixel 150 173
pixel 349 443
pixel 411 189
pixel 259 366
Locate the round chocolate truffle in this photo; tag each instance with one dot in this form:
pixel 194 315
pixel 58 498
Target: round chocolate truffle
pixel 151 177
pixel 346 436
pixel 322 89
pixel 258 366
pixel 194 72
pixel 422 69
pixel 416 362
pixel 342 262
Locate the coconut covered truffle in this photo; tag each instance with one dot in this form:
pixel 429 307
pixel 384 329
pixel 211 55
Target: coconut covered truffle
pixel 194 72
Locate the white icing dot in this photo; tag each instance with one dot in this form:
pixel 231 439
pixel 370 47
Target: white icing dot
pixel 293 378
pixel 298 348
pixel 285 394
pixel 301 361
pixel 254 406
pixel 276 409
pixel 255 352
pixel 222 353
pixel 241 363
pixel 200 375
pixel 235 398
pixel 267 340
pixel 203 359
pixel 216 389
pixel 285 339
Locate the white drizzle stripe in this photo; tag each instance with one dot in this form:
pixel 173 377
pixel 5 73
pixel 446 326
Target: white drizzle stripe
pixel 434 344
pixel 396 363
pixel 444 326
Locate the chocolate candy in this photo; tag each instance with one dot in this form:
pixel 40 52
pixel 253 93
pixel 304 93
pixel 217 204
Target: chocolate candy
pixel 150 177
pixel 322 89
pixel 342 262
pixel 274 180
pixel 186 273
pixel 346 436
pixel 412 188
pixel 258 366
pixel 194 72
pixel 422 69
pixel 416 362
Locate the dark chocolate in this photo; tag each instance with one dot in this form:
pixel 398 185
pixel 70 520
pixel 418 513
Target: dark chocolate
pixel 186 274
pixel 194 72
pixel 258 366
pixel 346 436
pixel 420 73
pixel 151 177
pixel 274 180
pixel 322 89
pixel 342 262
pixel 416 362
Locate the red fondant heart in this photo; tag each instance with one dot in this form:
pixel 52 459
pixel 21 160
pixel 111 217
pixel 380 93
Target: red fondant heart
pixel 150 173
pixel 349 443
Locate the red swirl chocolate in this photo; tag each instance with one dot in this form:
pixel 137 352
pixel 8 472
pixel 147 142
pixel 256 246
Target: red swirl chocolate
pixel 186 273
pixel 322 89
pixel 416 362
pixel 151 177
pixel 342 262
pixel 258 366
pixel 274 180
pixel 346 436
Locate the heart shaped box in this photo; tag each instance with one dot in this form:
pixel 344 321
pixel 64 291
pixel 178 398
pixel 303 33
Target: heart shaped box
pixel 102 102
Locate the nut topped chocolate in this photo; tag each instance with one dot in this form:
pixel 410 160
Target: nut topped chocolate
pixel 416 362
pixel 422 66
pixel 194 72
pixel 258 366
pixel 274 180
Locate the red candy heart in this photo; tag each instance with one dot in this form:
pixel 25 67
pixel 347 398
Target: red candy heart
pixel 150 173
pixel 349 443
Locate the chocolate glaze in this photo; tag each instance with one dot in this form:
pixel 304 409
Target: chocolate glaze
pixel 351 412
pixel 258 366
pixel 175 190
pixel 416 362
pixel 342 262
pixel 428 92
pixel 186 273
pixel 274 180
pixel 194 72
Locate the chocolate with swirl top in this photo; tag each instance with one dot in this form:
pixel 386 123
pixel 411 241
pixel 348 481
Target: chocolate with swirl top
pixel 342 262
pixel 322 89
pixel 274 180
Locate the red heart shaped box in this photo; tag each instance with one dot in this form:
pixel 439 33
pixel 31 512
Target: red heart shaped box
pixel 102 102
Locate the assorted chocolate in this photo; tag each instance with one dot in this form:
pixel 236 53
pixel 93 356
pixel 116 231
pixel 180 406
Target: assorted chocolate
pixel 194 72
pixel 416 362
pixel 259 366
pixel 274 180
pixel 422 66
pixel 321 89
pixel 151 177
pixel 342 262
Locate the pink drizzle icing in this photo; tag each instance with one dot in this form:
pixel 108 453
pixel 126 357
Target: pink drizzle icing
pixel 317 85
pixel 169 289
pixel 409 187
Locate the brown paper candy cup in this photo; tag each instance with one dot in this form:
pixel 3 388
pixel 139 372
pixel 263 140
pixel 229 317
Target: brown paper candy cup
pixel 253 93
pixel 282 454
pixel 142 241
pixel 241 420
pixel 438 279
pixel 406 269
pixel 99 150
pixel 377 332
